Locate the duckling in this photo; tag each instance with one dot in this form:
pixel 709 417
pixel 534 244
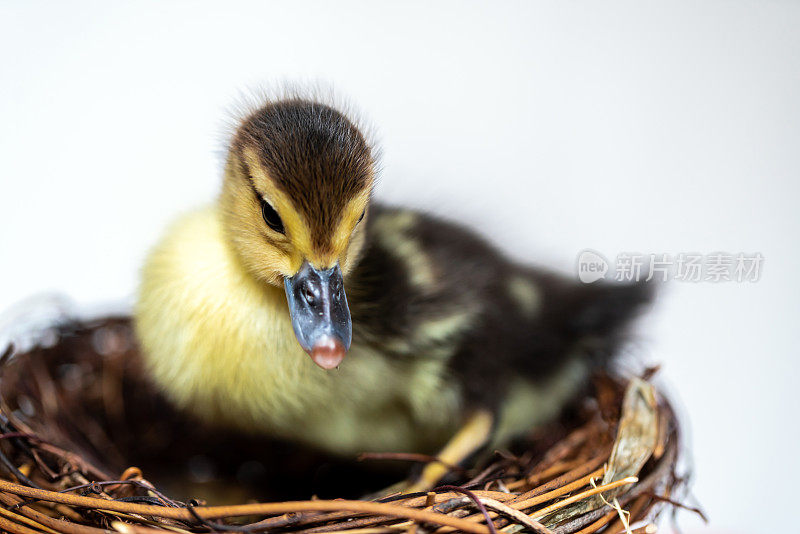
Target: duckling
pixel 422 336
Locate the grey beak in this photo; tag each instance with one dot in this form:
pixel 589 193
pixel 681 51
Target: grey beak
pixel 319 312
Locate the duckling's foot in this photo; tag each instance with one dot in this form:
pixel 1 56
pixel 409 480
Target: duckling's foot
pixel 474 435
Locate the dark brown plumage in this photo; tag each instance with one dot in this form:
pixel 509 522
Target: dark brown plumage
pixel 504 340
pixel 314 153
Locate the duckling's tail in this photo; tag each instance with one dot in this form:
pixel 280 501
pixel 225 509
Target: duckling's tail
pixel 597 317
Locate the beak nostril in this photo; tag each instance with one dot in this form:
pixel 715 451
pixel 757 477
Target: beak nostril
pixel 309 295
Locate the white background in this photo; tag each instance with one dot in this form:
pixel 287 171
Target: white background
pixel 551 127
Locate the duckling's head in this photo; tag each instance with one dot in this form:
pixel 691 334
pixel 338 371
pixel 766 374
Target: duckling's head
pixel 298 178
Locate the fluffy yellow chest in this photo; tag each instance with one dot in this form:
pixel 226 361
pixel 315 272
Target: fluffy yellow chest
pixel 221 345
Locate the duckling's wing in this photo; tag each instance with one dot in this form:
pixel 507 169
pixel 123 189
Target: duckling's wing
pixel 427 288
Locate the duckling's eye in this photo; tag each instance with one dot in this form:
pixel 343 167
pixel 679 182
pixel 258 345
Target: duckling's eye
pixel 362 216
pixel 271 217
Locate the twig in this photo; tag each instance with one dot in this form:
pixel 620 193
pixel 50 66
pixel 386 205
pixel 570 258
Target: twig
pixel 592 467
pixel 477 502
pixel 677 504
pixel 213 512
pixel 516 515
pixel 15 528
pixel 588 493
pixel 26 520
pixel 67 527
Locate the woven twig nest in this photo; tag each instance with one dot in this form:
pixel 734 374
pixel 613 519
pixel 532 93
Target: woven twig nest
pixel 78 415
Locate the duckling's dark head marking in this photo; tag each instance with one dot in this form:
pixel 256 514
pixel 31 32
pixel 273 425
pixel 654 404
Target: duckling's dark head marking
pixel 314 154
pixel 298 179
pixel 309 172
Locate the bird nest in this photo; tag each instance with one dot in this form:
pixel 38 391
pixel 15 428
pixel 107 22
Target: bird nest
pixel 77 415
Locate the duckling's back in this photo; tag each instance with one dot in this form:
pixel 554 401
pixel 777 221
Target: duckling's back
pixel 518 341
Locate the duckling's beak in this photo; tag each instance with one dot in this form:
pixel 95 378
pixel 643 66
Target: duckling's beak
pixel 319 312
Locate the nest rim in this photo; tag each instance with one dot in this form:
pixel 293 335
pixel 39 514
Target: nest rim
pixel 507 493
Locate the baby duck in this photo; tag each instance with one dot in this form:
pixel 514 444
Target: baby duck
pixel 449 346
